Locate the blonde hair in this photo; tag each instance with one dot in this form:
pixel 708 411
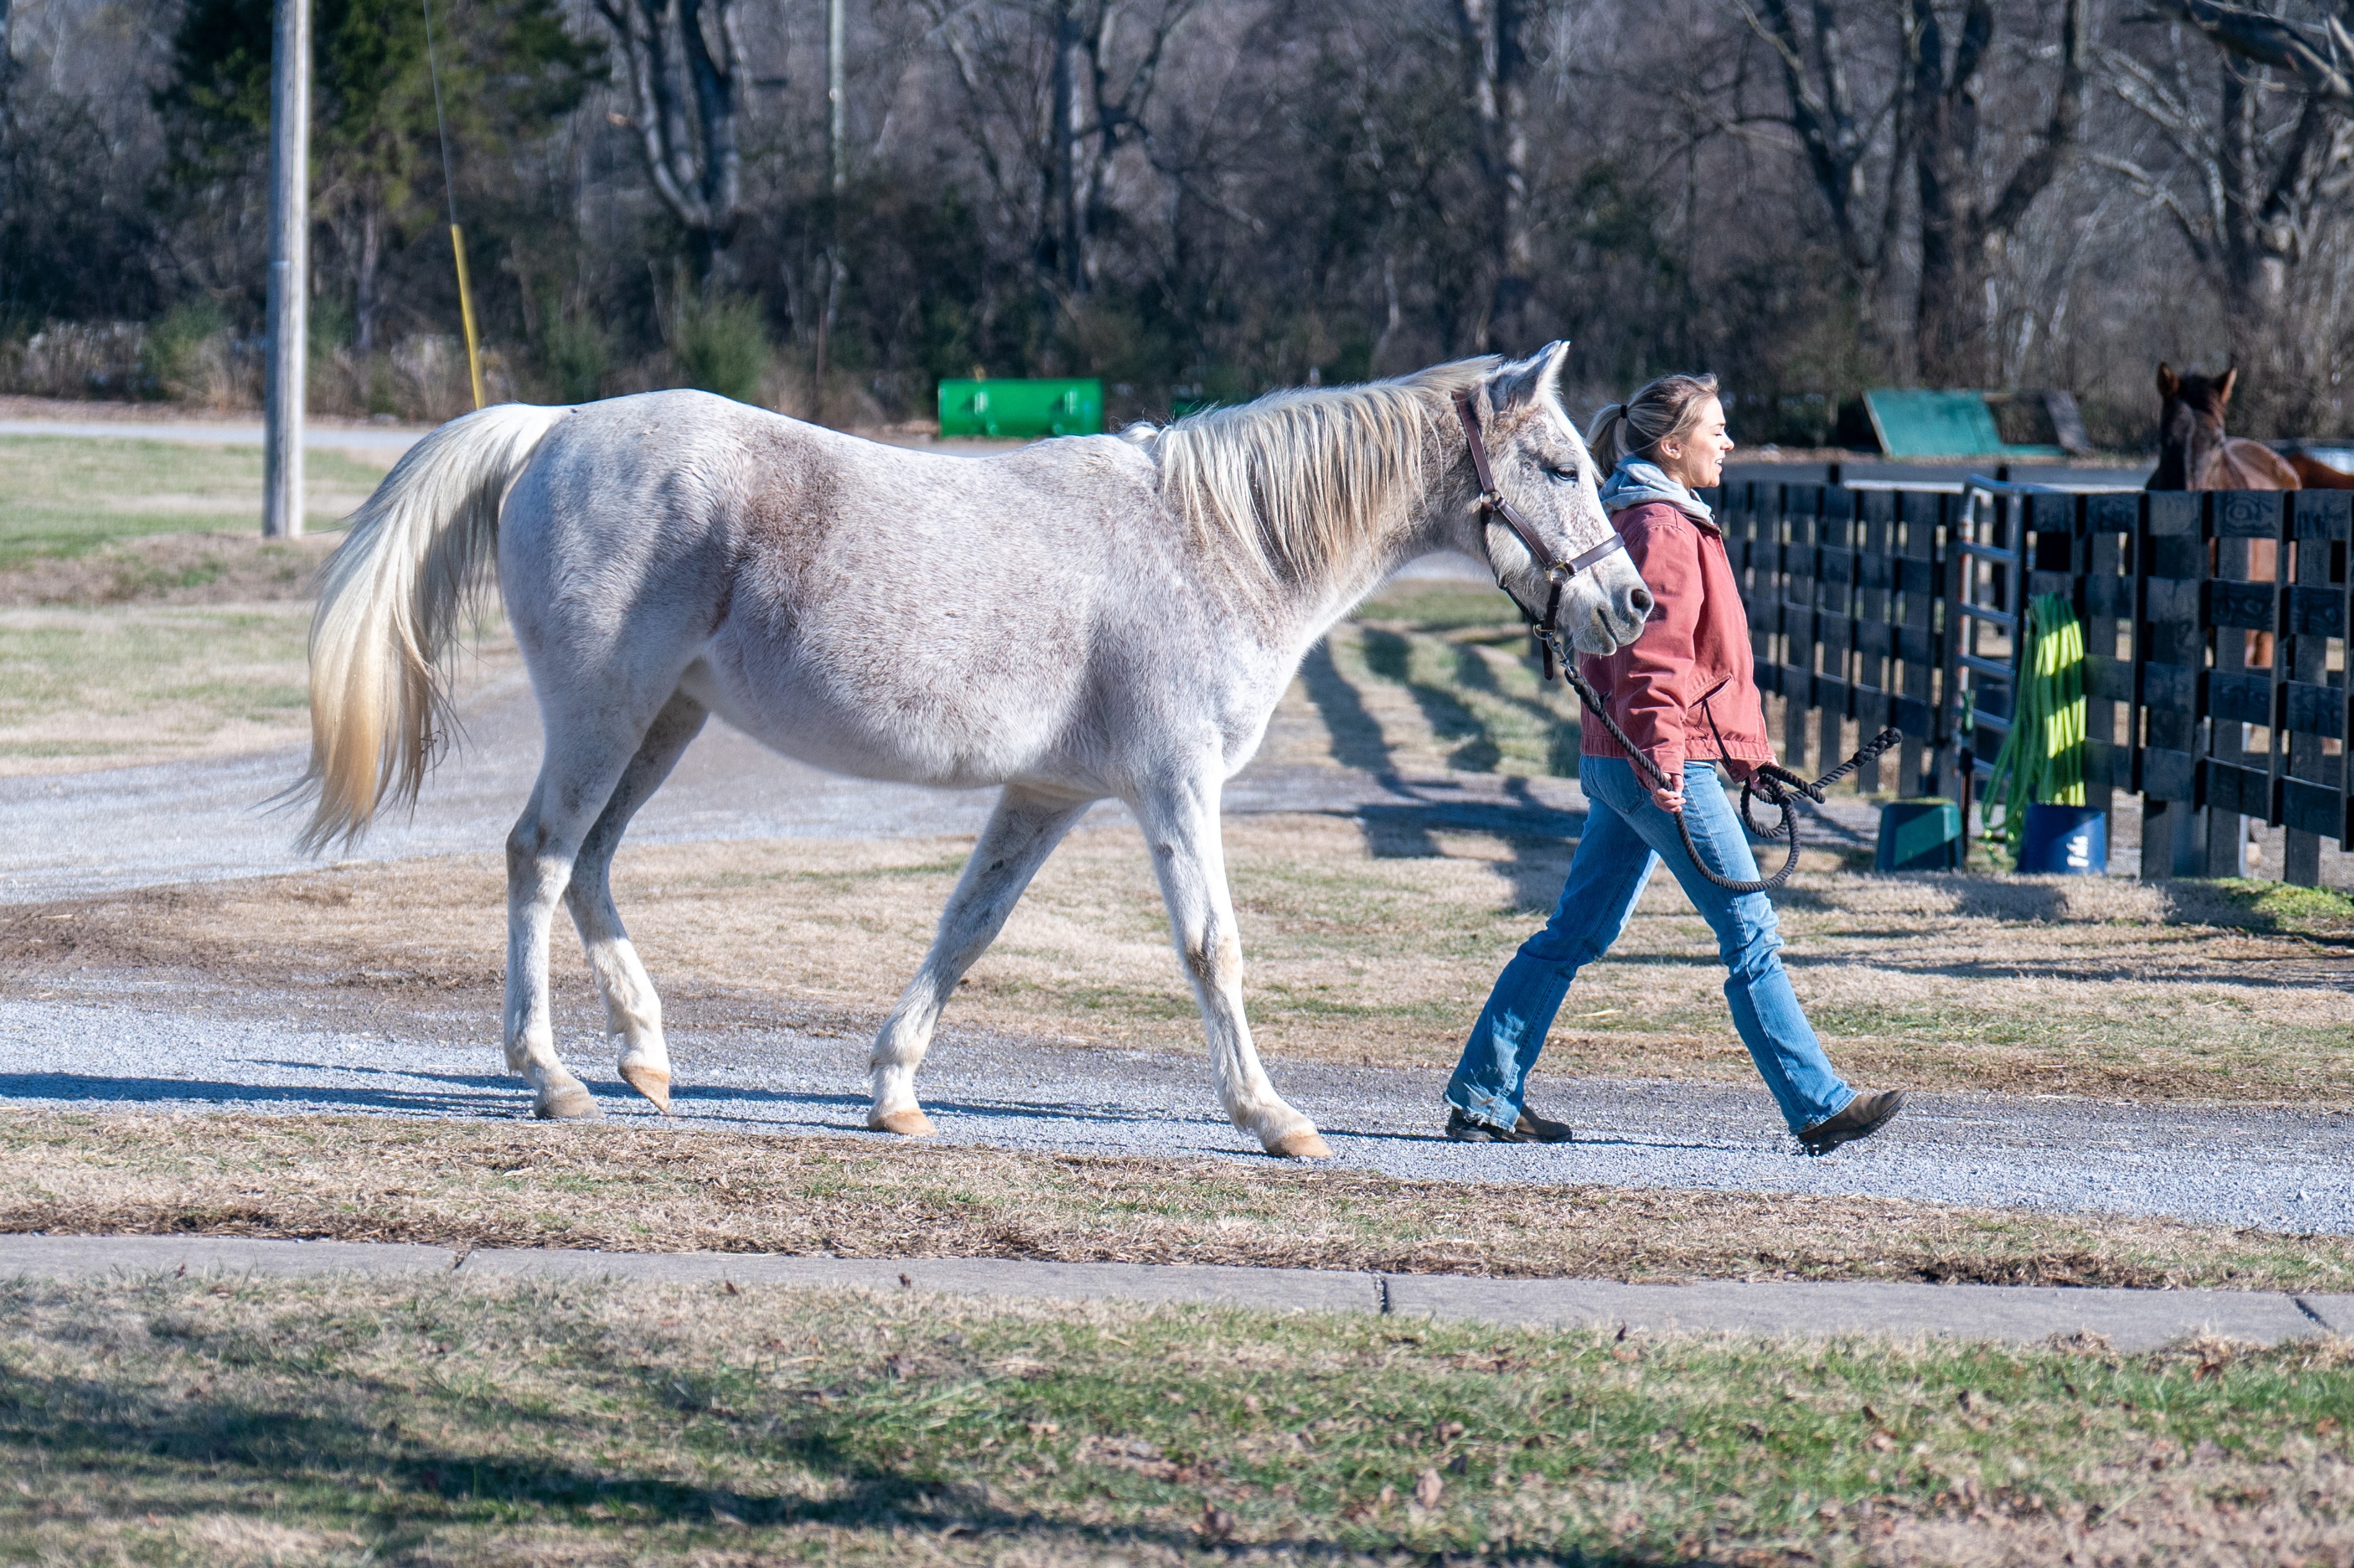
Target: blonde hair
pixel 1660 410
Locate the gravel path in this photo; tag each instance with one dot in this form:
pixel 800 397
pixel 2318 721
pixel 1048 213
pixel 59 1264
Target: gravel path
pixel 2266 1169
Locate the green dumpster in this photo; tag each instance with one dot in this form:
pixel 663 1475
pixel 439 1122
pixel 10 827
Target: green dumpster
pixel 1917 423
pixel 1022 407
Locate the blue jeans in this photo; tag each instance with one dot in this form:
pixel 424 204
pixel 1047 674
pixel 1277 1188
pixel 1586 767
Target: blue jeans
pixel 1626 836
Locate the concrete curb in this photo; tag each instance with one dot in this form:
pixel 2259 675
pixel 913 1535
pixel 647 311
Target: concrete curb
pixel 2127 1319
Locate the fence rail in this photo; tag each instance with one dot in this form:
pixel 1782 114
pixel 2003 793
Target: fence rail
pixel 2216 627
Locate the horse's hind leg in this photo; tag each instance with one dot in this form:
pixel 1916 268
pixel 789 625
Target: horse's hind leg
pixel 1022 832
pixel 1180 826
pixel 632 1010
pixel 585 760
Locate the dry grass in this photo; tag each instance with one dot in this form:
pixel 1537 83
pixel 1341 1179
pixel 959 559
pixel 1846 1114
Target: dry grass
pixel 148 685
pixel 476 1184
pixel 466 1425
pixel 172 568
pixel 144 682
pixel 2067 985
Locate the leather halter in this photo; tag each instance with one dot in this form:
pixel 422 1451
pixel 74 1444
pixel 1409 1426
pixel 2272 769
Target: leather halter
pixel 1493 506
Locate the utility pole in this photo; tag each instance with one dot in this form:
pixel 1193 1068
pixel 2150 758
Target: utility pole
pixel 290 272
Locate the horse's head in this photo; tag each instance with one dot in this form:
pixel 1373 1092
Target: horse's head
pixel 1542 467
pixel 2190 427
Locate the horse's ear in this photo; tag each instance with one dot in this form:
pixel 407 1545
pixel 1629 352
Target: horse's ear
pixel 1522 382
pixel 2223 387
pixel 2169 385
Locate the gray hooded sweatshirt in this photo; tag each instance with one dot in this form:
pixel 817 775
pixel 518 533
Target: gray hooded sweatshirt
pixel 1637 482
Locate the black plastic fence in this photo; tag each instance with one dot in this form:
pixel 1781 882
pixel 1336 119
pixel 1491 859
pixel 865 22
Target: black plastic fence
pixel 2216 627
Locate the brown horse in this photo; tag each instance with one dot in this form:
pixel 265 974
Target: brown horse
pixel 2194 453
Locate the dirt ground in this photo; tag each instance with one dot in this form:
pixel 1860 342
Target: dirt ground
pixel 1356 954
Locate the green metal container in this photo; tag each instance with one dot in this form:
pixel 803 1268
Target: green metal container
pixel 1022 408
pixel 1919 835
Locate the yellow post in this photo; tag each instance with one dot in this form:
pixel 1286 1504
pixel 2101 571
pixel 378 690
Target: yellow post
pixel 466 314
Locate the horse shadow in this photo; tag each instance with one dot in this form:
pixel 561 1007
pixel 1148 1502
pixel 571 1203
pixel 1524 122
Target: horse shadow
pixel 1542 837
pixel 369 1445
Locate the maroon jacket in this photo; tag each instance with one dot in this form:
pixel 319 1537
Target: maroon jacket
pixel 1690 677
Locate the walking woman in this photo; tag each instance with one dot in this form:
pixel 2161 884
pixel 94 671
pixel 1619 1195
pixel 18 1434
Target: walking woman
pixel 1683 692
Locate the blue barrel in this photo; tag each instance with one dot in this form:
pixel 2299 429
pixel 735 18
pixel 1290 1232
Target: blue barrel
pixel 2066 840
pixel 1919 835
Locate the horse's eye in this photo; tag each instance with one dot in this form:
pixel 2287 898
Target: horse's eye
pixel 1564 475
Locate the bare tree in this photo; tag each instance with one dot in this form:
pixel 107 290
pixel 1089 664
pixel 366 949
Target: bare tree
pixel 2261 179
pixel 1839 130
pixel 1913 106
pixel 2320 65
pixel 1067 124
pixel 1965 220
pixel 682 59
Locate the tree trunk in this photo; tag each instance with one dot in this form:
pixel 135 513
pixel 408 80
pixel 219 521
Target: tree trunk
pixel 683 92
pixel 1066 205
pixel 367 303
pixel 1495 55
pixel 1963 231
pixel 1946 125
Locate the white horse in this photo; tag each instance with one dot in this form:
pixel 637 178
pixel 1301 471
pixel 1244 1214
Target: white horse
pixel 1096 616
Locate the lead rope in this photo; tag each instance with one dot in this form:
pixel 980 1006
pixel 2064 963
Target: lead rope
pixel 1768 782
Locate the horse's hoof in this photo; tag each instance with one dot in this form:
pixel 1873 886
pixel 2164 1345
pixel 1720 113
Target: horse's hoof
pixel 909 1123
pixel 571 1103
pixel 653 1084
pixel 1309 1145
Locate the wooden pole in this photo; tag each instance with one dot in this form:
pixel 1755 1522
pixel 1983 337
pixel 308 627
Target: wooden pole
pixel 290 272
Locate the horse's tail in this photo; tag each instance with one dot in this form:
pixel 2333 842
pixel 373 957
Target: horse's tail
pixel 392 601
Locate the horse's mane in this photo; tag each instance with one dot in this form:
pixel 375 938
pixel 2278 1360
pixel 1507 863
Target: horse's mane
pixel 1301 479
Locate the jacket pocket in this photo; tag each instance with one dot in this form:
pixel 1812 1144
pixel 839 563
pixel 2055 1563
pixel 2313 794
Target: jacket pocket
pixel 1715 734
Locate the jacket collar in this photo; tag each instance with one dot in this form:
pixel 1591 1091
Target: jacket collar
pixel 1640 483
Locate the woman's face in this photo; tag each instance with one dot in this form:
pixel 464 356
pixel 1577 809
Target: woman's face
pixel 1696 457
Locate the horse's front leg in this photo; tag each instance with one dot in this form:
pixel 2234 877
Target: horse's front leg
pixel 1022 832
pixel 1181 825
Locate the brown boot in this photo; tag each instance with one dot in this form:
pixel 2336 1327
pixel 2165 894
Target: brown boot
pixel 1863 1116
pixel 1530 1128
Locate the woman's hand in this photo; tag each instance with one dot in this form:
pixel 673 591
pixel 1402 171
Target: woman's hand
pixel 1671 802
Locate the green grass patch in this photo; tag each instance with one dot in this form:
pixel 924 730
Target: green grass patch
pixel 2269 906
pixel 168 1421
pixel 64 496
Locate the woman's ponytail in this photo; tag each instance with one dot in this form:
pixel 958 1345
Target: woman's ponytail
pixel 1602 437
